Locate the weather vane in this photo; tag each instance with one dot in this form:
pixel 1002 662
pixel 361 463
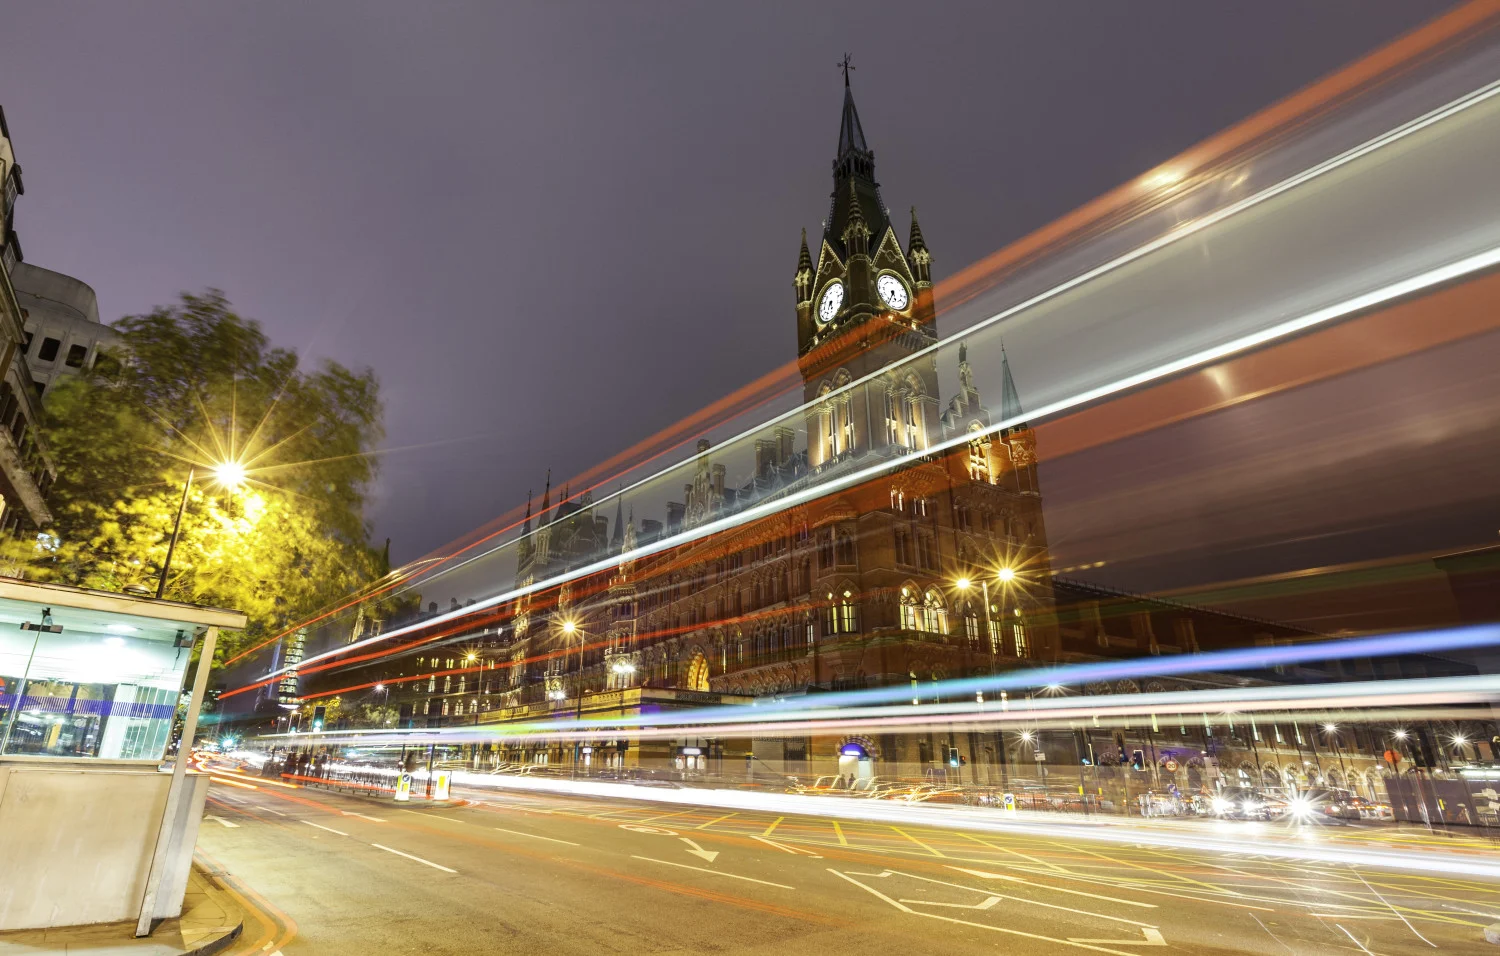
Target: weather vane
pixel 846 66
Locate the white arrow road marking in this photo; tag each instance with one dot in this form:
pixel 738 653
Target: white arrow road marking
pixel 351 813
pixel 1153 937
pixel 794 850
pixel 322 827
pixel 698 851
pixel 221 821
pixel 535 836
pixel 985 875
pixel 732 876
pixel 435 866
pixel 963 922
pixel 990 901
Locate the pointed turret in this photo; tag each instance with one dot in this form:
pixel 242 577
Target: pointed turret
pixel 917 254
pixel 856 233
pixel 542 518
pixel 617 540
pixel 851 133
pixel 803 280
pixel 1010 399
pixel 526 525
pixel 629 543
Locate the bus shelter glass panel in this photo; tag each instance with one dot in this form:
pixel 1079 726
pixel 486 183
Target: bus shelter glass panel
pixel 78 683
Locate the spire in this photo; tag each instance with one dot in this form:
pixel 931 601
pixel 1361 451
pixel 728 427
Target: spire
pixel 917 254
pixel 629 544
pixel 851 133
pixel 546 500
pixel 526 525
pixel 804 278
pixel 853 165
pixel 617 540
pixel 1010 399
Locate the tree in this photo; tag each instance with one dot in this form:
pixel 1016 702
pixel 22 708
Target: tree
pixel 196 384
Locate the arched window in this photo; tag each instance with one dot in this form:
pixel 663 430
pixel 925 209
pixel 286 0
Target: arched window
pixel 911 616
pixel 971 625
pixel 697 675
pixel 825 549
pixel 979 456
pixel 934 613
pixel 845 549
pixel 842 616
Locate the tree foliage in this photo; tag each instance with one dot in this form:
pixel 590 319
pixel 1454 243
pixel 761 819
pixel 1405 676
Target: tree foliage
pixel 195 385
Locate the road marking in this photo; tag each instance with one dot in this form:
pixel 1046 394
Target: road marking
pixel 222 822
pixel 963 922
pixel 776 823
pixel 732 876
pixel 637 828
pixel 698 851
pixel 1021 900
pixel 1004 849
pixel 713 821
pixel 919 843
pixel 786 849
pixel 1153 937
pixel 535 836
pixel 351 813
pixel 322 827
pixel 435 866
pixel 984 875
pixel 277 812
pixel 1355 941
pixel 839 832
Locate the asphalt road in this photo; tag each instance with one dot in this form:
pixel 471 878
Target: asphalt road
pixel 537 874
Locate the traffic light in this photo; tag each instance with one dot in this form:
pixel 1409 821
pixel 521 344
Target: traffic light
pixel 1137 760
pixel 318 713
pixel 1120 746
pixel 953 757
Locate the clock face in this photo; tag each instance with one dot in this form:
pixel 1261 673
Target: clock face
pixel 892 292
pixel 833 297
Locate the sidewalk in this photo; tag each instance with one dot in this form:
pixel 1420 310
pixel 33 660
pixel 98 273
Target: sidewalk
pixel 211 920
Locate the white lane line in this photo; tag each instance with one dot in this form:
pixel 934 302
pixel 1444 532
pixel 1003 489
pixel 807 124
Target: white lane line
pixel 786 849
pixel 700 869
pixel 322 827
pixel 986 875
pixel 221 821
pixel 277 812
pixel 435 866
pixel 536 836
pixel 351 813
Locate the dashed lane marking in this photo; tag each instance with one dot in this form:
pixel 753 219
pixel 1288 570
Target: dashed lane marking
pixel 435 866
pixel 322 827
pixel 535 836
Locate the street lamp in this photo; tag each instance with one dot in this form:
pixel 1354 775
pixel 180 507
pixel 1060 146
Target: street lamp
pixel 570 627
pixel 229 474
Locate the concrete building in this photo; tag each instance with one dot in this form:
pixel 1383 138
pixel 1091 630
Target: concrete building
pixel 26 469
pixel 60 314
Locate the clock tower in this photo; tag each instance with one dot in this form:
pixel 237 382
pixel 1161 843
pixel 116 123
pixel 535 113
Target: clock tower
pixel 864 304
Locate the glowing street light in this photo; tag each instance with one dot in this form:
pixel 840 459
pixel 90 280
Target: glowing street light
pixel 1006 575
pixel 230 474
pixel 963 584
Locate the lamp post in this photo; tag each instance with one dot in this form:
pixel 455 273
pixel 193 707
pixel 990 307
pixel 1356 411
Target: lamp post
pixel 570 627
pixel 230 474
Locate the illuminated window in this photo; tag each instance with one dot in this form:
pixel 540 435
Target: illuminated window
pixel 971 627
pixel 997 646
pixel 445 708
pixel 1023 649
pixel 979 457
pixel 892 419
pixel 911 618
pixel 934 614
pixel 842 615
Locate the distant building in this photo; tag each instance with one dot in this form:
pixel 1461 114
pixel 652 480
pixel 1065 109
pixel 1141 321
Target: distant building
pixel 63 334
pixel 26 469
